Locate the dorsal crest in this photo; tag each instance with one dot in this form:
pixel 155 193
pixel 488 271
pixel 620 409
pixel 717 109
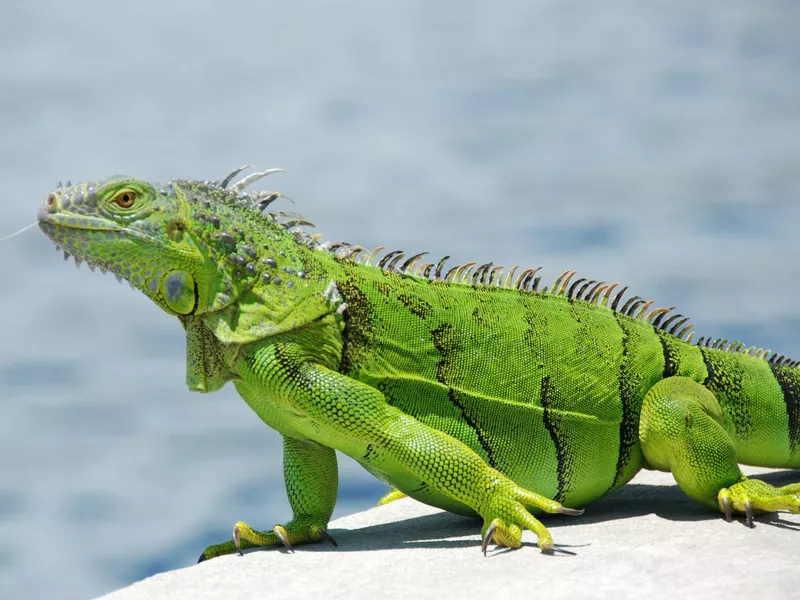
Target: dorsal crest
pixel 567 285
pixel 528 280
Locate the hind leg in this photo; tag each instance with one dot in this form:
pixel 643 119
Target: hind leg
pixel 682 431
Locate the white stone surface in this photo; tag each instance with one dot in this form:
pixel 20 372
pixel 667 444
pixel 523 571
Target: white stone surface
pixel 647 540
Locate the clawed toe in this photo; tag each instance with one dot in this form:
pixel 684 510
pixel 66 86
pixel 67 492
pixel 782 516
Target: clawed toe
pixel 725 503
pixel 283 536
pixel 506 516
pixel 751 496
pixel 748 510
pixel 237 540
pixel 511 536
pixel 326 536
pixel 488 537
pixel 299 531
pixel 573 512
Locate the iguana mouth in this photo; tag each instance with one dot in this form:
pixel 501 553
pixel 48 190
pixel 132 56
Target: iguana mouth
pixel 51 221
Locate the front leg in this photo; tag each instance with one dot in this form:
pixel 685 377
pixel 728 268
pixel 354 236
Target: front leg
pixel 350 416
pixel 311 477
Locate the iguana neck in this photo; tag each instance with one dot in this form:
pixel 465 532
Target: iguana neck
pixel 274 291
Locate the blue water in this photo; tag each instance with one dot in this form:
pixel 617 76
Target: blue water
pixel 654 143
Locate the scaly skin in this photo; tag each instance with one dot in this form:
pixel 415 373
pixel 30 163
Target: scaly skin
pixel 472 389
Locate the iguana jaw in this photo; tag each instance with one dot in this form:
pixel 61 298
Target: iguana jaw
pixel 75 235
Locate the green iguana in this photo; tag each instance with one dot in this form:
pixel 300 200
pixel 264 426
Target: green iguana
pixel 472 389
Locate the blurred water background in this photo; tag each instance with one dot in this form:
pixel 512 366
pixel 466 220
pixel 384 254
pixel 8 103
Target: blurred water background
pixel 654 143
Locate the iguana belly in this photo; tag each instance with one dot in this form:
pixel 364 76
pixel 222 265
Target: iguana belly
pixel 570 457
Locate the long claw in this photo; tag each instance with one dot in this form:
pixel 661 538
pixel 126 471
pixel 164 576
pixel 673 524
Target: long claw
pixel 324 533
pixel 573 512
pixel 488 537
pixel 726 508
pixel 237 540
pixel 748 510
pixel 283 537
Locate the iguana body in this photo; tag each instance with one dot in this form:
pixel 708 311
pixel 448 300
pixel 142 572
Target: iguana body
pixel 470 389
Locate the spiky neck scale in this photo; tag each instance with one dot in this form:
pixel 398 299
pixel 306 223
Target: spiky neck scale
pixel 253 251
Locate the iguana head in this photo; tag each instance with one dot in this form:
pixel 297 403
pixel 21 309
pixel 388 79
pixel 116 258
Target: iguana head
pixel 193 247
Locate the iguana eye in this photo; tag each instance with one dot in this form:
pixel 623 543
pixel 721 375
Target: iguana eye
pixel 125 198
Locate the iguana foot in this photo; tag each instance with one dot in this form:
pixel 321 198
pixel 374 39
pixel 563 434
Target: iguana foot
pixel 390 496
pixel 298 531
pixel 753 495
pixel 505 515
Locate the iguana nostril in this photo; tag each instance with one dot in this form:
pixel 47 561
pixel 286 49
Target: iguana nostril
pixel 50 202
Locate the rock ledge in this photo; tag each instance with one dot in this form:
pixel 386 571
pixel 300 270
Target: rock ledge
pixel 647 540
